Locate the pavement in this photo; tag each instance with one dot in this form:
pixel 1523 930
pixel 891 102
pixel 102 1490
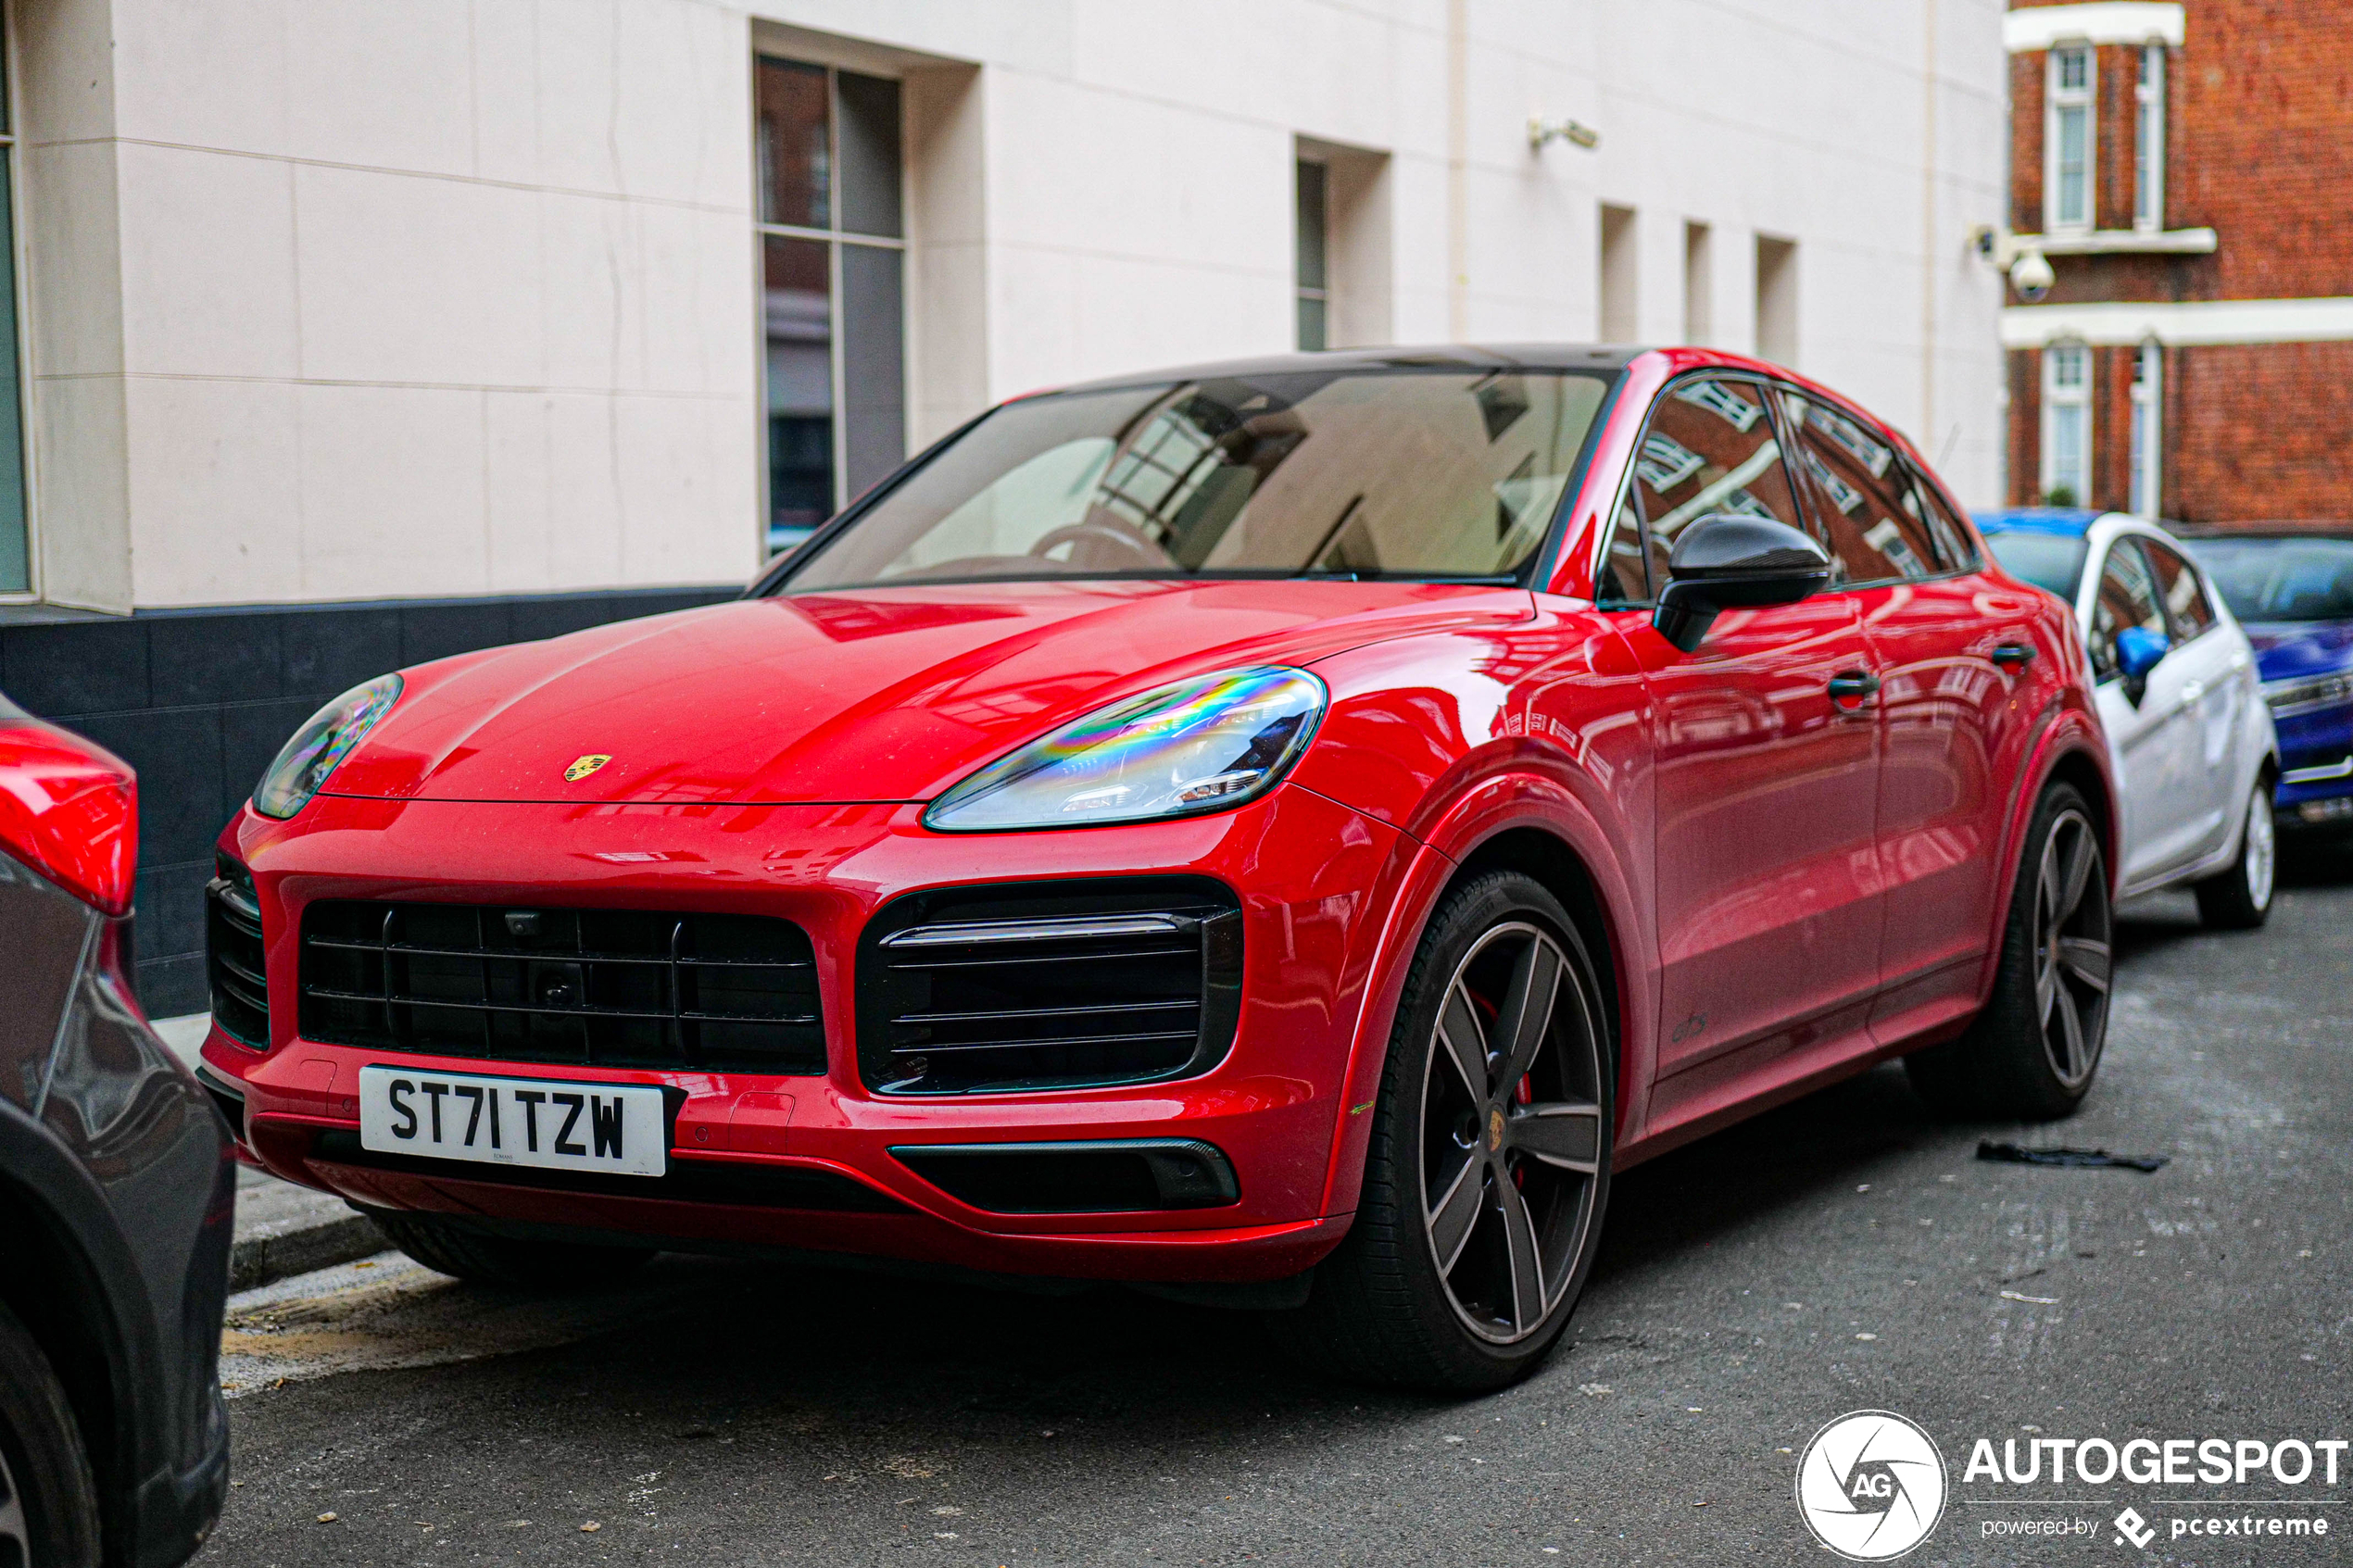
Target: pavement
pixel 1842 1254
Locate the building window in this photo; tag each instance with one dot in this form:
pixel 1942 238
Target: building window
pixel 1699 284
pixel 1313 235
pixel 2148 140
pixel 1617 275
pixel 2066 424
pixel 2067 134
pixel 15 551
pixel 833 254
pixel 1777 300
pixel 2148 424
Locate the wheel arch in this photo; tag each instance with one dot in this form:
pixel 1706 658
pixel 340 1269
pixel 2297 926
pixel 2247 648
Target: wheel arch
pixel 2076 767
pixel 1524 822
pixel 1545 856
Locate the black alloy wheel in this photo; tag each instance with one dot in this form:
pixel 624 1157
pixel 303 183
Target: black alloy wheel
pixel 2033 1049
pixel 1511 1132
pixel 2075 949
pixel 1489 1169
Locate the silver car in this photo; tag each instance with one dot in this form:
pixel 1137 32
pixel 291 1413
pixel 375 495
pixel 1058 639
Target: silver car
pixel 2191 739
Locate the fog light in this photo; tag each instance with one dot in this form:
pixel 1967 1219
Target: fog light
pixel 2333 810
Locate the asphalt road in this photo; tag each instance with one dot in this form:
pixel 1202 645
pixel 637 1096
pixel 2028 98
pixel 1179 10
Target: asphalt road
pixel 1844 1252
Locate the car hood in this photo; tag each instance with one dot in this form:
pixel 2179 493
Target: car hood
pixel 873 696
pixel 2284 651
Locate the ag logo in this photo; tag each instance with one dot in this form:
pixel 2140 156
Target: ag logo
pixel 1870 1485
pixel 583 766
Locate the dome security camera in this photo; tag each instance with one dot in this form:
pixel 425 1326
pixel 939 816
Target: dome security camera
pixel 2032 276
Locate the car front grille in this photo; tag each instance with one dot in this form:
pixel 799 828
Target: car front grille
pixel 1069 984
pixel 234 967
pixel 602 987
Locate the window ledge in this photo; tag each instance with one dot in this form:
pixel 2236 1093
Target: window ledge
pixel 2109 241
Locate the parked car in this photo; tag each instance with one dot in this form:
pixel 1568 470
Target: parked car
pixel 117 1194
pixel 1283 833
pixel 2190 739
pixel 2294 592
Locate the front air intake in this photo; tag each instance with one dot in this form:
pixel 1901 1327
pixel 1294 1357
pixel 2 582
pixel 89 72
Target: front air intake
pixel 1049 985
pixel 233 964
pixel 601 988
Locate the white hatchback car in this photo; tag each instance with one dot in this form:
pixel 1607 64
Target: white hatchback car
pixel 2191 739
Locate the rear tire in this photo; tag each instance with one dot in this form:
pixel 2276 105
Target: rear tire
pixel 2238 898
pixel 2032 1051
pixel 454 1249
pixel 48 1497
pixel 1489 1167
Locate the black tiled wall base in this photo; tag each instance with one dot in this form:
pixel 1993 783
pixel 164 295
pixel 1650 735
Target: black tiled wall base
pixel 199 701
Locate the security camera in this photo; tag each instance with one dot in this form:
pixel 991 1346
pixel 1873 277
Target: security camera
pixel 2032 276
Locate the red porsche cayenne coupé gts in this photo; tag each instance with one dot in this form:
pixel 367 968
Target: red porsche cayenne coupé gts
pixel 1281 833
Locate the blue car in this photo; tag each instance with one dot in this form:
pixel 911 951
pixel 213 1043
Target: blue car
pixel 2293 592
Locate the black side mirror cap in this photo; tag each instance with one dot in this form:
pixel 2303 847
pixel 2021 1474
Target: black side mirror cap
pixel 1732 559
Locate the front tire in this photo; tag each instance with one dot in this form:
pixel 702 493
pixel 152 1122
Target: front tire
pixel 456 1249
pixel 2238 898
pixel 2032 1051
pixel 48 1498
pixel 1489 1165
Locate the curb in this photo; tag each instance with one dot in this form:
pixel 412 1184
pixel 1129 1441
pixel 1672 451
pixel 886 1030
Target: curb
pixel 264 1259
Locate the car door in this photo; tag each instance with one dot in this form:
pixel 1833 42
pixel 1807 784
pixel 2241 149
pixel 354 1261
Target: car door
pixel 1943 705
pixel 1765 784
pixel 2151 737
pixel 2216 689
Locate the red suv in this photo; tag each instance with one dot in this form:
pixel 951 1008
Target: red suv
pixel 1283 833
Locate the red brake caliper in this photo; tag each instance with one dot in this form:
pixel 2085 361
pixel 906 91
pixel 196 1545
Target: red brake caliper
pixel 1525 1094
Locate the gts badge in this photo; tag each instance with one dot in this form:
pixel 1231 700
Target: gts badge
pixel 1691 1028
pixel 582 766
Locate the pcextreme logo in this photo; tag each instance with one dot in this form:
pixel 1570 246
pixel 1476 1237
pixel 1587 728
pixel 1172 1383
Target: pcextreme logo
pixel 1870 1485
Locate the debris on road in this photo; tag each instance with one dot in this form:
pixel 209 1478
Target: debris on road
pixel 2013 1154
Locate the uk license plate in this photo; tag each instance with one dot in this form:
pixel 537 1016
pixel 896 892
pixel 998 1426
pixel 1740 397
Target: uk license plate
pixel 548 1124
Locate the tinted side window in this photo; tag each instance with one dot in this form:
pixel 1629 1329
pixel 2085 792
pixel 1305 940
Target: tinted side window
pixel 1871 516
pixel 1954 548
pixel 2178 586
pixel 1710 448
pixel 2128 598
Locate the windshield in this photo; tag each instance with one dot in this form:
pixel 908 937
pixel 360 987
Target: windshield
pixel 2282 579
pixel 2051 561
pixel 1365 474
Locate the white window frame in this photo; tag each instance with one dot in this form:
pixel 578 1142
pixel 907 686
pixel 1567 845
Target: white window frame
pixel 2148 142
pixel 2148 431
pixel 2058 100
pixel 2059 393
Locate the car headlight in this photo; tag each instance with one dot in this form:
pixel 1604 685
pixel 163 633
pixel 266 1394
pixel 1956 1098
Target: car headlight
pixel 325 739
pixel 2303 694
pixel 1201 744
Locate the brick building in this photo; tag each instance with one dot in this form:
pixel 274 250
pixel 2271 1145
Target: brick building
pixel 2178 184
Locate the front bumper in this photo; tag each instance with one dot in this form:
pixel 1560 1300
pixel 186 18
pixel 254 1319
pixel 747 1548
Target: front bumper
pixel 806 1163
pixel 2316 769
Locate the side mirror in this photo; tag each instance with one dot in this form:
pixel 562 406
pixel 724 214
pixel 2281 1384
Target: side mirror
pixel 1732 559
pixel 2138 649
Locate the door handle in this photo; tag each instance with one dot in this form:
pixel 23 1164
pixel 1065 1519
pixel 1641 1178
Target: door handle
pixel 1850 688
pixel 2011 658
